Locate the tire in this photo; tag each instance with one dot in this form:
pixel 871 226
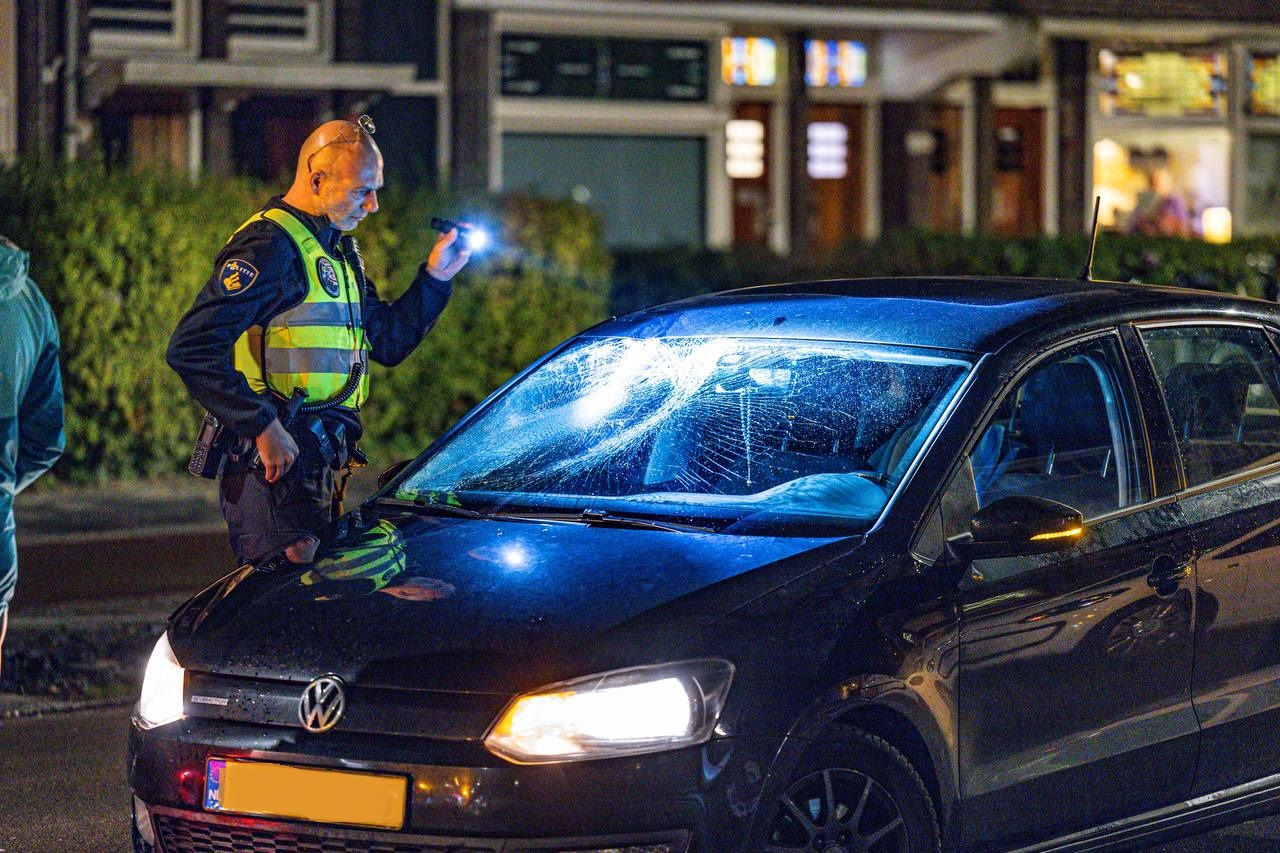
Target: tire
pixel 852 791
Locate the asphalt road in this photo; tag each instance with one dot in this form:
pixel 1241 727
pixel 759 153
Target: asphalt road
pixel 62 790
pixel 62 783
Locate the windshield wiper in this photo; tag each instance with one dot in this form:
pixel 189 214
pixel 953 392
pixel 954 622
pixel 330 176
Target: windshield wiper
pixel 600 518
pixel 592 517
pixel 443 508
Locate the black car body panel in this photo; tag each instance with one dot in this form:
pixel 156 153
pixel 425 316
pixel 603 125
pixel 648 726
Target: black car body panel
pixel 1102 695
pixel 520 602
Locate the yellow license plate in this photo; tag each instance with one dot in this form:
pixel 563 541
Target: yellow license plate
pixel 307 793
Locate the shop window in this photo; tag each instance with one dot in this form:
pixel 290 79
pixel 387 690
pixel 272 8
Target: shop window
pixel 744 148
pixel 828 149
pixel 1262 199
pixel 835 63
pixel 1164 181
pixel 648 190
pixel 1264 85
pixel 749 61
pixel 1162 83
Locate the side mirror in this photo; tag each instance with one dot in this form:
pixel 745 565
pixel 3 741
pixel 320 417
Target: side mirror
pixel 1020 525
pixel 390 474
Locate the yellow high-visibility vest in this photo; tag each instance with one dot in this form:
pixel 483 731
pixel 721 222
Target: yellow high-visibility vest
pixel 313 345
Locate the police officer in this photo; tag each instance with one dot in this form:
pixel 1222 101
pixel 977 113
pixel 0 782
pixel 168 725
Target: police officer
pixel 287 308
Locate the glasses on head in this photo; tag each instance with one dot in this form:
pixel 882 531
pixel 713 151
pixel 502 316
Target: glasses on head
pixel 348 136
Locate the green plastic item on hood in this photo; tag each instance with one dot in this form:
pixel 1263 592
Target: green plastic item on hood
pixel 13 269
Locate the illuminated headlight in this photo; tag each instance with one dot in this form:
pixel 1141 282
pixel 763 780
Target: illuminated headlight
pixel 161 700
pixel 624 712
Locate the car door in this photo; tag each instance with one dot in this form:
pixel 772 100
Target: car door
pixel 1221 383
pixel 1075 667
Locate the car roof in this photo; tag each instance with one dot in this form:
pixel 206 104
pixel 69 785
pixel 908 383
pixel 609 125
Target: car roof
pixel 956 313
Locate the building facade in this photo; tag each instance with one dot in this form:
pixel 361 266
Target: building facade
pixel 794 125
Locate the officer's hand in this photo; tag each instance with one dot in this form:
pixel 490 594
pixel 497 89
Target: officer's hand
pixel 448 256
pixel 276 449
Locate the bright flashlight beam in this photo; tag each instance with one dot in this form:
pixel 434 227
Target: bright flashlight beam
pixel 478 239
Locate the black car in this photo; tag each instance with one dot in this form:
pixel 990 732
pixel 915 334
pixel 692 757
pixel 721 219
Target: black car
pixel 890 565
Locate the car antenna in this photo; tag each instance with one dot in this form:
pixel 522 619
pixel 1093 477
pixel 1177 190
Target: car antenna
pixel 1087 273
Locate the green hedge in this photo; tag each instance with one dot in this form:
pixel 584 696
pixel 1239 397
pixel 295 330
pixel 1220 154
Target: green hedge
pixel 1246 267
pixel 120 256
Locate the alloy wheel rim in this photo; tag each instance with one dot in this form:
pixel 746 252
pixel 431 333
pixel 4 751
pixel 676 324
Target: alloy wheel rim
pixel 837 810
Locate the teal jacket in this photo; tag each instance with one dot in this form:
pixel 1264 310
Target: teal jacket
pixel 31 418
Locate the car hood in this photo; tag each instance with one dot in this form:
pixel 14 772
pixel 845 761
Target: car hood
pixel 442 603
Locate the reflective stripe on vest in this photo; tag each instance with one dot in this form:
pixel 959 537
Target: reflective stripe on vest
pixel 313 345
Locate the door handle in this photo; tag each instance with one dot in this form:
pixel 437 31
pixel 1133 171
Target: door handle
pixel 1167 574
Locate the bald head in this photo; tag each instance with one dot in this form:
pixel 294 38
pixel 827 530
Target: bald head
pixel 339 174
pixel 332 140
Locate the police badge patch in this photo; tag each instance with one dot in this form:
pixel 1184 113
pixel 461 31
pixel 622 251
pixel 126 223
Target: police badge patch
pixel 328 276
pixel 237 275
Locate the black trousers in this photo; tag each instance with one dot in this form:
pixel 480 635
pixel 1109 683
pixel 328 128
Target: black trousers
pixel 263 516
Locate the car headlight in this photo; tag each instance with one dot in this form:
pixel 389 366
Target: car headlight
pixel 161 700
pixel 624 712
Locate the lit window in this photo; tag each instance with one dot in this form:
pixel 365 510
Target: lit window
pixel 835 63
pixel 1264 85
pixel 828 149
pixel 744 148
pixel 1163 83
pixel 1165 181
pixel 749 61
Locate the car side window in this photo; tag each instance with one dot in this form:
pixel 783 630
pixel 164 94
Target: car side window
pixel 1221 385
pixel 1067 431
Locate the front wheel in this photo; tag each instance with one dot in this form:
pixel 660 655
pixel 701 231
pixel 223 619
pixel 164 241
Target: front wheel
pixel 852 791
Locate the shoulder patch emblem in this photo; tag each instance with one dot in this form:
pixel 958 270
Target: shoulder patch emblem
pixel 328 276
pixel 237 275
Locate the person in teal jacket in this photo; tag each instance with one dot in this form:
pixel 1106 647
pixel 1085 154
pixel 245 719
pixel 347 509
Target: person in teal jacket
pixel 31 418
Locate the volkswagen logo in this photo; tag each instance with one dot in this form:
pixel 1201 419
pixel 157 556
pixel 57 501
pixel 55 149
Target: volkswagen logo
pixel 322 704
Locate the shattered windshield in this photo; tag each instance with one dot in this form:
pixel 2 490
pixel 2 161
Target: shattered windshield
pixel 734 432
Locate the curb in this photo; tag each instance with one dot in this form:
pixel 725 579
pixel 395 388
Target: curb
pixel 115 564
pixel 16 706
pixel 149 531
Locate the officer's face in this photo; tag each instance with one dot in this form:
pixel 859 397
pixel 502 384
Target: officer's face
pixel 348 192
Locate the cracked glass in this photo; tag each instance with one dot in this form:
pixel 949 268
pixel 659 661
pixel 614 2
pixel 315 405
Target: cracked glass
pixel 726 432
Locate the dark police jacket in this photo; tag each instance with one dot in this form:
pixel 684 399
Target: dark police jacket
pixel 201 349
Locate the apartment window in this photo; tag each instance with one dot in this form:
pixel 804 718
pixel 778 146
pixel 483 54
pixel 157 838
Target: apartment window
pixel 749 61
pixel 295 27
pixel 121 25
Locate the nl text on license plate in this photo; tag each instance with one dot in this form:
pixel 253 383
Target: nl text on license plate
pixel 267 789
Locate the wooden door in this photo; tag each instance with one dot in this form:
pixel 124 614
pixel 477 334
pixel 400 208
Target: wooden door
pixel 945 187
pixel 1018 194
pixel 159 140
pixel 748 164
pixel 836 170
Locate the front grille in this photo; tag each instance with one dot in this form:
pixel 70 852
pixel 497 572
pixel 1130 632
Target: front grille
pixel 182 835
pixel 438 714
pixel 183 831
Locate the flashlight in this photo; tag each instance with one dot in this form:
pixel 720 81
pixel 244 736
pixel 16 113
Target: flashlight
pixel 475 239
